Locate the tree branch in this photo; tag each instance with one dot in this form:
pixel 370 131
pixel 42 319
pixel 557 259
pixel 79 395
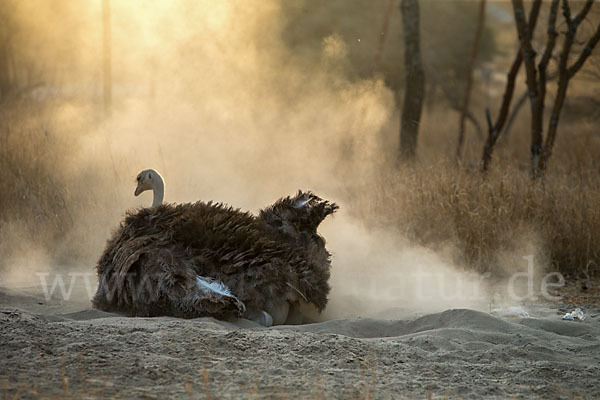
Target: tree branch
pixel 552 34
pixel 532 82
pixel 514 70
pixel 537 115
pixel 494 132
pixel 583 13
pixel 564 75
pixel 585 53
pixel 517 108
pixel 567 11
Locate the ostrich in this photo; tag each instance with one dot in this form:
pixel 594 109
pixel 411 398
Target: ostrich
pixel 208 259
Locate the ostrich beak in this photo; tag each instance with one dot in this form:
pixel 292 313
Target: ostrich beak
pixel 138 190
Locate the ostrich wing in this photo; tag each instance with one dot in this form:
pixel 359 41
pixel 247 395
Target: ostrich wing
pixel 149 275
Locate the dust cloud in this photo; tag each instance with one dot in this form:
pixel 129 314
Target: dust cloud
pixel 209 94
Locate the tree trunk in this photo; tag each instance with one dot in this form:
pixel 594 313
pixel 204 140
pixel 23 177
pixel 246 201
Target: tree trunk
pixel 471 65
pixel 525 35
pixel 495 129
pixel 565 73
pixel 414 91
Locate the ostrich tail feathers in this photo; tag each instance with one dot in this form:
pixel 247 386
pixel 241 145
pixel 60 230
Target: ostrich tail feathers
pixel 303 212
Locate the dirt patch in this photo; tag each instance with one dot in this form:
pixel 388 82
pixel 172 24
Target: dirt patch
pixel 455 353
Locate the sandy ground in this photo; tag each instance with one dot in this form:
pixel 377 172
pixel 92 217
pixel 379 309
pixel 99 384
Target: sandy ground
pixel 68 350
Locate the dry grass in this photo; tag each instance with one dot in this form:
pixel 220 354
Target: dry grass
pixel 34 200
pixel 481 218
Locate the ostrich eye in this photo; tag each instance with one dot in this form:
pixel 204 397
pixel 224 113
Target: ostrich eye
pixel 149 176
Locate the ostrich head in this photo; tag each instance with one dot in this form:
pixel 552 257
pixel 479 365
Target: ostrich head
pixel 150 179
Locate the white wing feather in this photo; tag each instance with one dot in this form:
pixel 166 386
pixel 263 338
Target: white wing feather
pixel 211 285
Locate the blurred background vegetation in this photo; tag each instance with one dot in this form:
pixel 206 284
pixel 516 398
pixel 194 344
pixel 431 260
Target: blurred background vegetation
pixel 359 28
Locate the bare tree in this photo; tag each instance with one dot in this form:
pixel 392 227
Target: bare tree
pixel 517 108
pixel 565 73
pixel 470 66
pixel 414 91
pixel 536 89
pixel 495 128
pixel 537 78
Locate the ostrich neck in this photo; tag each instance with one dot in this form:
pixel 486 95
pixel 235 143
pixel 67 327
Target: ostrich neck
pixel 159 192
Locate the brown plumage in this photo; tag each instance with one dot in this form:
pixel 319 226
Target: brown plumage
pixel 172 259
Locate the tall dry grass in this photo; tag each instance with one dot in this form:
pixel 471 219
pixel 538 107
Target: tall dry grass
pixel 34 200
pixel 42 195
pixel 483 218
